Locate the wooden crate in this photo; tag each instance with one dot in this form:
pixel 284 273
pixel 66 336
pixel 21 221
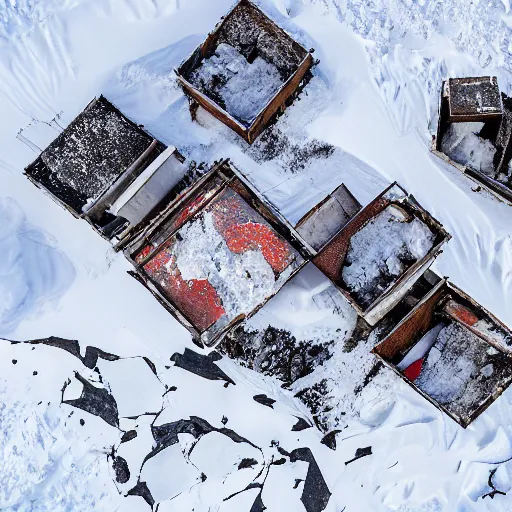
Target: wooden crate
pixel 253 33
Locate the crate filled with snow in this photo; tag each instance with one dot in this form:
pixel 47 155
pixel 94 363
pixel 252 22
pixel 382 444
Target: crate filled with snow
pixel 474 131
pixel 453 351
pixel 245 71
pixel 217 255
pixel 378 256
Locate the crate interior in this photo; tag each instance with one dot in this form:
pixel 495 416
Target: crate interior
pixel 378 246
pixel 446 357
pixel 221 261
pixel 243 64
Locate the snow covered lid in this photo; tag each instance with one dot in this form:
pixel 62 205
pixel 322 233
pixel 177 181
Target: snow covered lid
pixel 89 155
pixel 474 99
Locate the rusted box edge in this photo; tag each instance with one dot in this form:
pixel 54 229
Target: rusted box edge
pixel 444 283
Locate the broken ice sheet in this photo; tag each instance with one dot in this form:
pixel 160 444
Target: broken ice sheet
pixel 462 144
pixel 383 250
pixel 244 88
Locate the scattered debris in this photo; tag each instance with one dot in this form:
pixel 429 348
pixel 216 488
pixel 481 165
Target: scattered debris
pixel 360 452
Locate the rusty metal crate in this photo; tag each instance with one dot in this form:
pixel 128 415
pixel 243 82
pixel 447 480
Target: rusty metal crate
pixel 332 258
pixel 253 34
pixel 446 302
pixel 477 99
pixel 104 160
pixel 217 254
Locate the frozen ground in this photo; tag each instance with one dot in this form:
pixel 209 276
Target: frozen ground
pixel 364 119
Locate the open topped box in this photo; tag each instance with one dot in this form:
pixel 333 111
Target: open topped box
pixel 452 351
pixel 474 132
pixel 106 169
pixel 381 252
pixel 217 254
pixel 246 70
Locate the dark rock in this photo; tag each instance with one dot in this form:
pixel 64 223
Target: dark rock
pixel 14 361
pixel 121 468
pixel 97 401
pixel 141 489
pixel 301 424
pixel 247 463
pixel 316 494
pixel 258 505
pixel 167 435
pixel 360 452
pixel 82 422
pixel 264 400
pixel 128 436
pixel 201 365
pixel 330 439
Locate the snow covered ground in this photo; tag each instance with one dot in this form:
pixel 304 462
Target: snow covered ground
pixel 364 119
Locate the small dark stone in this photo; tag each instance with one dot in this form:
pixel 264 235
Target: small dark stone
pixel 330 439
pixel 34 373
pixel 247 463
pixel 264 400
pixel 82 422
pixel 128 436
pixel 360 452
pixel 224 420
pixel 14 361
pixel 121 469
pixel 301 424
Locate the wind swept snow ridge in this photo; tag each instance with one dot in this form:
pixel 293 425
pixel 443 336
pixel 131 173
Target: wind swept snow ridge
pixel 32 272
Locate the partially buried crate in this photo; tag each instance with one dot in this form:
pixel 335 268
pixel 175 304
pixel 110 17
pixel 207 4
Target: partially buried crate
pixel 106 169
pixel 452 351
pixel 474 132
pixel 245 71
pixel 217 254
pixel 381 252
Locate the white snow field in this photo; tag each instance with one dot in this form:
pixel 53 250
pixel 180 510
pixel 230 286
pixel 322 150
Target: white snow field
pixel 365 119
